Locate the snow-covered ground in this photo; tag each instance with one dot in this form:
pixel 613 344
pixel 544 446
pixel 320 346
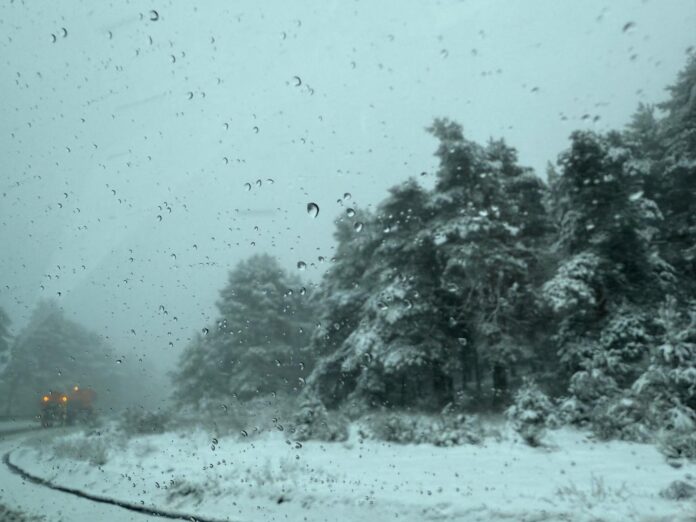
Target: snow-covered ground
pixel 270 478
pixel 22 501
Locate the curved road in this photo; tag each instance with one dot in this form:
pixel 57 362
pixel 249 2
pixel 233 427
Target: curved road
pixel 34 500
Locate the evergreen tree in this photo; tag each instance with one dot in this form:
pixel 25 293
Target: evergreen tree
pixel 676 190
pixel 493 228
pixel 259 344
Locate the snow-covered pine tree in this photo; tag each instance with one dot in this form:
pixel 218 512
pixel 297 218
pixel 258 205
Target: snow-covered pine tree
pixel 609 274
pixel 259 343
pixel 394 356
pixel 491 228
pixel 676 186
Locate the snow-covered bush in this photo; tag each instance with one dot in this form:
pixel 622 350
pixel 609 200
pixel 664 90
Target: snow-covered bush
pixel 10 515
pixel 677 434
pixel 588 389
pixel 408 428
pixel 620 418
pixel 93 449
pixel 315 422
pixel 679 490
pixel 529 413
pixel 142 422
pixel 180 490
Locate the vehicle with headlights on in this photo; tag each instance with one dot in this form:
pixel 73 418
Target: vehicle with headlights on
pixel 54 409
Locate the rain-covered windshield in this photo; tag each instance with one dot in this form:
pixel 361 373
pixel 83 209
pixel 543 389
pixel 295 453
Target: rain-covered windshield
pixel 397 260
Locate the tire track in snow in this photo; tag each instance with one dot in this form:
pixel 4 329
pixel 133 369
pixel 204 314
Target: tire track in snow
pixel 103 500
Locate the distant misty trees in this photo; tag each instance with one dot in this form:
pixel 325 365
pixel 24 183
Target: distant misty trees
pixel 258 345
pixel 583 286
pixel 5 339
pixel 53 352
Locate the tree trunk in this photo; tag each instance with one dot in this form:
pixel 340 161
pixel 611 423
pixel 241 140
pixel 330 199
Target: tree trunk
pixel 477 369
pixel 500 384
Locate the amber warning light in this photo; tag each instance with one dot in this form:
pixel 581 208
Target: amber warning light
pixel 45 398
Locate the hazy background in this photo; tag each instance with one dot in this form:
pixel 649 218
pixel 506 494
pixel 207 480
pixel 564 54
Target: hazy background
pixel 126 143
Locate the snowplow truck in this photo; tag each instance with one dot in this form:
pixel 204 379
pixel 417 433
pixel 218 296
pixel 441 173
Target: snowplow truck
pixel 80 406
pixel 53 409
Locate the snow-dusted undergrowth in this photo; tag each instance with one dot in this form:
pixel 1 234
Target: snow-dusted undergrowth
pixel 268 477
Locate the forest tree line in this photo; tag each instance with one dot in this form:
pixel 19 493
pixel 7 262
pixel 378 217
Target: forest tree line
pixel 584 284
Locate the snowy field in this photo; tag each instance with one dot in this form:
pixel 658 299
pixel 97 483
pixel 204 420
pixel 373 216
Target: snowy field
pixel 270 478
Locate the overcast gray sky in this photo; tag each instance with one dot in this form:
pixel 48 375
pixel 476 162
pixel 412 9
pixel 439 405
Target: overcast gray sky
pixel 126 143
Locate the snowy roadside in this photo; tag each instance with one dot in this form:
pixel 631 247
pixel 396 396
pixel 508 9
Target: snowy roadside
pixel 12 426
pixel 270 478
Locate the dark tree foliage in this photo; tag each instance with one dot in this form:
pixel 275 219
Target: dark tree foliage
pixel 440 289
pixel 453 297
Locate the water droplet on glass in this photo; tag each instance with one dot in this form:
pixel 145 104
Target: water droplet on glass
pixel 244 433
pixel 159 218
pixel 63 32
pixel 258 182
pixel 303 291
pixel 256 130
pixel 346 196
pixel 636 196
pixel 350 212
pixel 628 26
pixel 313 209
pixel 301 265
pixel 189 95
pixel 154 16
pixel 247 186
pixel 297 80
pixel 298 444
pixel 205 331
pixel 54 39
pixel 358 226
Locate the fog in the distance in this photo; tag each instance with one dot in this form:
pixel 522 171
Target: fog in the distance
pixel 144 152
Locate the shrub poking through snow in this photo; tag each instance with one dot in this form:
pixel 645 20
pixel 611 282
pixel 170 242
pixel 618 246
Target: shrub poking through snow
pixel 443 430
pixel 529 413
pixel 141 422
pixel 679 490
pixel 314 422
pixel 92 449
pixel 620 418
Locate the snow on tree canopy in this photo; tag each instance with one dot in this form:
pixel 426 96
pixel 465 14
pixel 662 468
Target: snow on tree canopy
pixel 571 287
